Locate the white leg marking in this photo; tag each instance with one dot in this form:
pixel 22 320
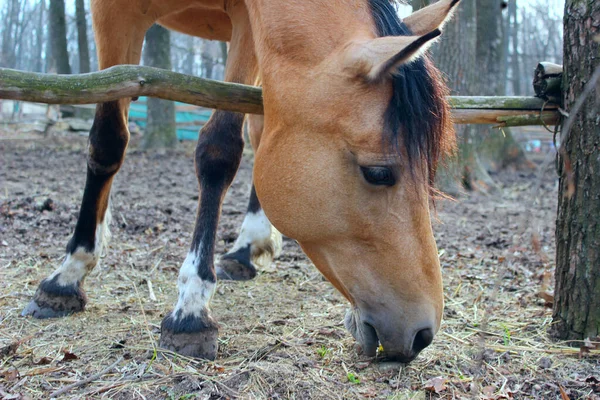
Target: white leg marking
pixel 256 230
pixel 263 238
pixel 76 266
pixel 194 293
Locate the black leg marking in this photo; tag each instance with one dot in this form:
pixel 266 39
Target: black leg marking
pixel 52 300
pixel 253 204
pixel 237 265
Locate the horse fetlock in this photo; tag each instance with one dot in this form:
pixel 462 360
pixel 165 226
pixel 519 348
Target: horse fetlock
pixel 257 245
pixel 192 336
pixel 51 300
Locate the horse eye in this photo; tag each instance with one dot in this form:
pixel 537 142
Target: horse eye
pixel 379 176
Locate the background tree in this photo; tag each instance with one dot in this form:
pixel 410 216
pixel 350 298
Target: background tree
pixel 58 36
pixel 82 39
pixel 161 129
pixel 577 292
pixel 473 55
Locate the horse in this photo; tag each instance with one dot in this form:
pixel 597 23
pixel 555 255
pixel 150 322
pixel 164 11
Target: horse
pixel 346 153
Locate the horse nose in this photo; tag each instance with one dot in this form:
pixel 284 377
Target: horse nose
pixel 402 340
pixel 423 338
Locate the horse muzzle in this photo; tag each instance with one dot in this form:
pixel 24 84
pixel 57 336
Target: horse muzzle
pixel 399 343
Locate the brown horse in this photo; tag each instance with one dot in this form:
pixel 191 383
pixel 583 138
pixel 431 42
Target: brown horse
pixel 354 124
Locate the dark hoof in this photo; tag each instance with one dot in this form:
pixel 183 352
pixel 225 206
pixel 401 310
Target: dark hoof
pixel 54 301
pixel 236 266
pixel 190 336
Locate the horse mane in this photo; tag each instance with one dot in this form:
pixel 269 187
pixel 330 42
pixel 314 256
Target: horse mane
pixel 418 109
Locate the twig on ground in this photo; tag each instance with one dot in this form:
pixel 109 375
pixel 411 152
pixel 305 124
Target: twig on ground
pixel 87 380
pixel 150 290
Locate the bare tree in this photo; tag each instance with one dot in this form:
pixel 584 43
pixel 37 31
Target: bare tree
pixel 82 40
pixel 577 294
pixel 161 130
pixel 58 36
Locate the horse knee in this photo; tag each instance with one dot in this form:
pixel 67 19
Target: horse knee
pixel 219 149
pixel 109 137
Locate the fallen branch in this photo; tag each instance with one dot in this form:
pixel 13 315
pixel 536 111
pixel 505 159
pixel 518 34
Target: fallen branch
pixel 85 381
pixel 133 81
pixel 128 81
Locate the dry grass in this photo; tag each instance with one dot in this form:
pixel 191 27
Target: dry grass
pixel 282 334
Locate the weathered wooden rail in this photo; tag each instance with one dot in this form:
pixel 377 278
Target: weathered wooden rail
pixel 133 81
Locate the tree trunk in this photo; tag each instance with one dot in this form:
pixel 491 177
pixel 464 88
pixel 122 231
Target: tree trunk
pixel 455 55
pixel 82 40
pixel 161 129
pixel 489 53
pixel 514 56
pixel 39 37
pixel 224 52
pixel 577 293
pixel 58 36
pixel 8 58
pixel 496 149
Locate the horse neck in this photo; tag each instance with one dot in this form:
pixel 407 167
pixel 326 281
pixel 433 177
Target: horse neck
pixel 304 33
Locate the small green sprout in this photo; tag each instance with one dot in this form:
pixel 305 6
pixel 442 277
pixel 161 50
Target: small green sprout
pixel 322 351
pixel 506 335
pixel 353 378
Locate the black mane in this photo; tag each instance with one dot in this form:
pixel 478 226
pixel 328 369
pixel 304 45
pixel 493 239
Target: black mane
pixel 418 110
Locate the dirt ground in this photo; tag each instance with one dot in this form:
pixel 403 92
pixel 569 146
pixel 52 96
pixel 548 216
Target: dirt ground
pixel 282 334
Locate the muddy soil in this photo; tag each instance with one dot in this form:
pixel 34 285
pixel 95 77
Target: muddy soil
pixel 281 334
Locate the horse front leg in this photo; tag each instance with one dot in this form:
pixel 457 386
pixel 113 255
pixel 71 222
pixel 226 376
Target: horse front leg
pixel 190 329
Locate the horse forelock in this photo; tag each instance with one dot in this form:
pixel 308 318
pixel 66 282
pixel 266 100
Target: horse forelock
pixel 418 114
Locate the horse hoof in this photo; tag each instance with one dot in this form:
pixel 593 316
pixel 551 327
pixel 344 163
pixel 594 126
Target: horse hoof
pixel 232 267
pixel 50 303
pixel 190 337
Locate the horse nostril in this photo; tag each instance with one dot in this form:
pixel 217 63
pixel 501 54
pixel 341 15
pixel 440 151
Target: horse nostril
pixel 423 338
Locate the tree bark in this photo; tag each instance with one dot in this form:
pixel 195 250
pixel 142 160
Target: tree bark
pixel 161 129
pixel 576 311
pixel 82 39
pixel 58 36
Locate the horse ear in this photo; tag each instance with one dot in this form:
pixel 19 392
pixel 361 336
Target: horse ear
pixel 431 17
pixel 379 58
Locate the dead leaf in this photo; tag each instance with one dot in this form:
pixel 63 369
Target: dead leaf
pixel 43 361
pixel 488 392
pixel 436 385
pixel 594 383
pixel 10 374
pixel 563 393
pixel 9 349
pixel 369 393
pixel 547 297
pixel 68 356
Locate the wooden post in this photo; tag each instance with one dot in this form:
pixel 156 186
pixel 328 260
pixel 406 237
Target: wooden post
pixel 547 81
